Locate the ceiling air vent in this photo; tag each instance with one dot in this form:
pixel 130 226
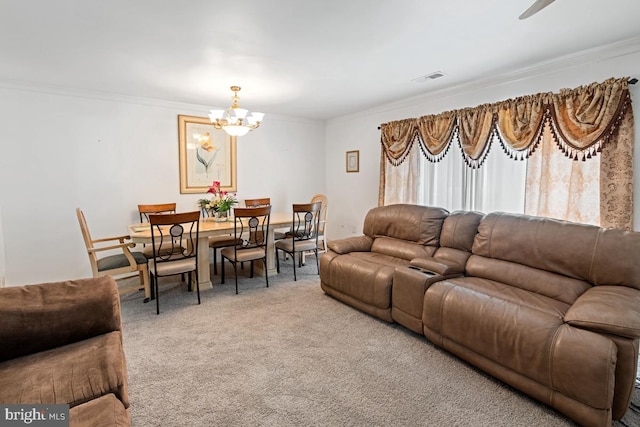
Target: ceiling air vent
pixel 432 76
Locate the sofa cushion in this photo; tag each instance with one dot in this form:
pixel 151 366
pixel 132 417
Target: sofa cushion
pixel 607 309
pixel 459 230
pixel 503 323
pixel 543 243
pixel 401 248
pixel 105 411
pixel 351 244
pixel 71 374
pixel 587 252
pixel 413 223
pixel 556 286
pixel 365 276
pixel 525 333
pixel 44 316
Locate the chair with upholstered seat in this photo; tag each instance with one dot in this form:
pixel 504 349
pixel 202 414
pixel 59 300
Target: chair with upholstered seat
pixel 303 236
pixel 145 210
pixel 251 227
pixel 174 240
pixel 322 233
pixel 218 242
pixel 121 263
pixel 322 227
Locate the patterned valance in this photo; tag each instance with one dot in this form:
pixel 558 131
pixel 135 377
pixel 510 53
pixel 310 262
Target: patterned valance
pixel 397 139
pixel 435 133
pixel 581 120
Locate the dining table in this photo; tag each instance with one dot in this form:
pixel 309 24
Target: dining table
pixel 140 233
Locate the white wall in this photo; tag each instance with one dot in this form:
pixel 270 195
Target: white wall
pixel 62 150
pixel 3 267
pixel 352 195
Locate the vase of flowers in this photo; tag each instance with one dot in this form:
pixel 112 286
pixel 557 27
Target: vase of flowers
pixel 220 203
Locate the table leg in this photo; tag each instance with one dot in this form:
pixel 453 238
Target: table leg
pixel 204 274
pixel 271 257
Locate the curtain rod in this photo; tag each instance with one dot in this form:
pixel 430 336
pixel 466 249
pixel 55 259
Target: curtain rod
pixel 632 81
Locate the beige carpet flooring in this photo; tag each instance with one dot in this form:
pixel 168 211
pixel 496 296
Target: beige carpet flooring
pixel 289 355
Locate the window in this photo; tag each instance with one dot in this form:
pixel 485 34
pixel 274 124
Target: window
pixel 498 185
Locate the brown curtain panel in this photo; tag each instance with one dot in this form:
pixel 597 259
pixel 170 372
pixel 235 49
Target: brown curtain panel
pixel 520 123
pixel 616 177
pixel 476 127
pixel 435 134
pixel 584 119
pixel 397 139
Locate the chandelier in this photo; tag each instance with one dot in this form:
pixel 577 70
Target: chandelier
pixel 234 120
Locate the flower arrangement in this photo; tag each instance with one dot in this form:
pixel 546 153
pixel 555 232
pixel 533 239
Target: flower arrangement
pixel 222 201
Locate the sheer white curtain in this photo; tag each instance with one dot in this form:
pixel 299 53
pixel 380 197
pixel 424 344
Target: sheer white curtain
pixel 498 185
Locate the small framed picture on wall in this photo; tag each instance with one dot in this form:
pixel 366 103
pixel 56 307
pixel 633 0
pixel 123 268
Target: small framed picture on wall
pixel 353 161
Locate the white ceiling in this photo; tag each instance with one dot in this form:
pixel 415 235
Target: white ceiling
pixel 316 59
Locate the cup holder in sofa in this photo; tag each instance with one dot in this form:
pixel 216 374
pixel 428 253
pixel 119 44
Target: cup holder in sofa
pixel 423 271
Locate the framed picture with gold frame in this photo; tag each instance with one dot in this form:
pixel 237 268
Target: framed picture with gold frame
pixel 353 161
pixel 206 154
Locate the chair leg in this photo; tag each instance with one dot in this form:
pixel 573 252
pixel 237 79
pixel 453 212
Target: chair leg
pixel 148 290
pixel 277 261
pixel 266 274
pixel 317 262
pixel 197 285
pixel 189 286
pixel 215 261
pixel 251 270
pixel 155 280
pixel 222 270
pixel 235 269
pixel 293 258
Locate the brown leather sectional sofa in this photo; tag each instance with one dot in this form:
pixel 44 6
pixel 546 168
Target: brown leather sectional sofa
pixel 61 343
pixel 550 307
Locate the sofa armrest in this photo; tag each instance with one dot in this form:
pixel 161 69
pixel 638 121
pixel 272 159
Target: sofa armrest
pixel 40 317
pixel 441 267
pixel 607 309
pixel 351 244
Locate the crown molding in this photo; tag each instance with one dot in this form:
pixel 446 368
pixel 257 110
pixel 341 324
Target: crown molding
pixel 540 69
pixel 184 108
pixel 96 95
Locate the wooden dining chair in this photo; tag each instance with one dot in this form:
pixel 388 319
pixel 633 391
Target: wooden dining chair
pixel 303 236
pixel 251 228
pixel 322 227
pixel 145 210
pixel 255 203
pixel 216 243
pixel 161 208
pixel 174 240
pixel 123 262
pixel 153 209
